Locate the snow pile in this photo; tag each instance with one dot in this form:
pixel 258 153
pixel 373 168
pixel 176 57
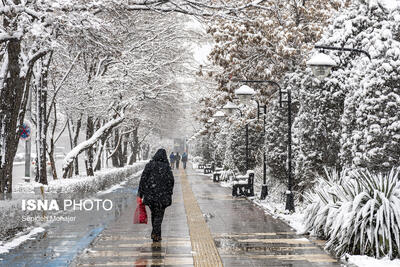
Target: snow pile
pixel 357 212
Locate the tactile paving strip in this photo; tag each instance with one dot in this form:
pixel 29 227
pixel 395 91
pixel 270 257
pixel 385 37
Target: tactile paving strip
pixel 205 253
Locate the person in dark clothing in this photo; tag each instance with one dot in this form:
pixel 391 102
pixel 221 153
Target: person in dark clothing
pixel 172 159
pixel 177 159
pixel 155 188
pixel 184 159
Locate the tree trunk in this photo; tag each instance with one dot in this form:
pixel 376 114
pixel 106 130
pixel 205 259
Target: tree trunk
pixel 115 157
pixel 134 146
pixel 100 149
pixel 52 161
pixel 41 83
pixel 125 150
pixel 52 142
pixel 13 95
pixel 75 143
pixel 89 151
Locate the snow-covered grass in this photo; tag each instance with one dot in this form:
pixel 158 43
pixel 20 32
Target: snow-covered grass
pixel 358 212
pixel 11 213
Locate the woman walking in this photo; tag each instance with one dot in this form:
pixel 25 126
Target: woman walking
pixel 156 188
pixel 177 159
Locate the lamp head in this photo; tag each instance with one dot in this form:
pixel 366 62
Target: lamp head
pixel 219 115
pixel 321 65
pixel 229 107
pixel 244 93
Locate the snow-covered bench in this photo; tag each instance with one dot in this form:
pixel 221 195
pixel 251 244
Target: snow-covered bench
pixel 244 186
pixel 217 174
pixel 208 168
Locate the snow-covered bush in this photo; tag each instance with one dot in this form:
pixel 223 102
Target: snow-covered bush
pixel 84 185
pixel 358 212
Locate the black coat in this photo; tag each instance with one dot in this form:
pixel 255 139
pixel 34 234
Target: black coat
pixel 157 183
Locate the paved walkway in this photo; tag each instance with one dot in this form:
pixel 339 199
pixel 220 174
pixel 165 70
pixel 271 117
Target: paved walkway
pixel 232 232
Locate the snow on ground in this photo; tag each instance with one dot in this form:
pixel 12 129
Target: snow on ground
pixel 6 247
pixel 365 261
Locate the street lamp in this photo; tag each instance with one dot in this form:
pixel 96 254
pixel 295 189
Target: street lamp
pixel 288 100
pixel 244 93
pixel 321 64
pixel 230 107
pixel 219 115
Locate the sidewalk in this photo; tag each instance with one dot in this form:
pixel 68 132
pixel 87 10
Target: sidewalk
pixel 232 232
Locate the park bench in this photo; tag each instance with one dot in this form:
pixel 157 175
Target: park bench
pixel 201 165
pixel 245 185
pixel 208 168
pixel 217 174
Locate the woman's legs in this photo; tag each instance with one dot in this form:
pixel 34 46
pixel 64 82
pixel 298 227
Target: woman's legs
pixel 157 216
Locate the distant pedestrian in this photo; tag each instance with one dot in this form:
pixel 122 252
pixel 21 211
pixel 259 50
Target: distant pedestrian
pixel 184 159
pixel 177 159
pixel 172 159
pixel 155 188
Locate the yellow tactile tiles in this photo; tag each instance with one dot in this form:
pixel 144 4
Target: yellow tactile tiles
pixel 205 252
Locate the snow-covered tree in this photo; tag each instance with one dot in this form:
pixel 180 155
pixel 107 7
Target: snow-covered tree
pixel 350 119
pixel 371 123
pixel 28 31
pixel 266 44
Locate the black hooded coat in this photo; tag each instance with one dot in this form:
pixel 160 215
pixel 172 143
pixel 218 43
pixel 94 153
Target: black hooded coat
pixel 157 181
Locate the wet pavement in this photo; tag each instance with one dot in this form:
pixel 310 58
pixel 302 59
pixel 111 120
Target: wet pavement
pixel 205 226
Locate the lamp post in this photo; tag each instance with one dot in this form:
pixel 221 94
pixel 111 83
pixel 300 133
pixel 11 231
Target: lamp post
pixel 245 93
pixel 264 189
pixel 229 108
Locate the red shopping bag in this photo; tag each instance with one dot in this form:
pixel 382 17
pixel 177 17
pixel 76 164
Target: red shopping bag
pixel 140 215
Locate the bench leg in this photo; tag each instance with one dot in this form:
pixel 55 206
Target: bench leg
pixel 249 191
pixel 234 191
